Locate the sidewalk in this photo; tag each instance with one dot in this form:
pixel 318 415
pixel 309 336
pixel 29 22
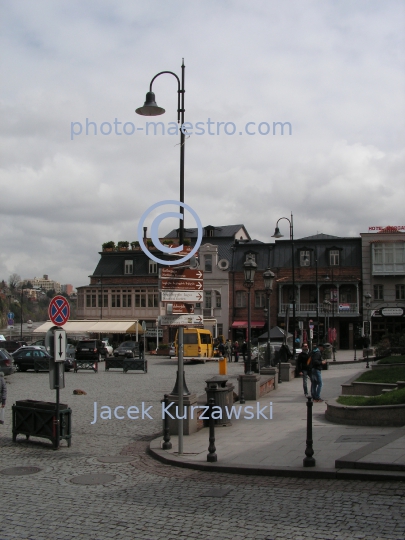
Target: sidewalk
pixel 277 446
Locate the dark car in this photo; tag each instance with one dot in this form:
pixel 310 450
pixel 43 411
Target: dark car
pixel 89 349
pixel 129 349
pixel 12 346
pixel 6 362
pixel 36 358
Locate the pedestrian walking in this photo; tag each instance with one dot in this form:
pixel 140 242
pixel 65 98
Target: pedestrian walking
pixel 221 349
pixel 316 374
pixel 244 350
pixel 303 367
pixel 228 349
pixel 3 396
pixel 236 351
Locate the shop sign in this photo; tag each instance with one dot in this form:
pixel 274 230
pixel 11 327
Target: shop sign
pixel 392 312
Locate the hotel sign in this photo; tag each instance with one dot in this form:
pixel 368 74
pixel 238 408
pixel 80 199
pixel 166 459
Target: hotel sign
pixel 392 312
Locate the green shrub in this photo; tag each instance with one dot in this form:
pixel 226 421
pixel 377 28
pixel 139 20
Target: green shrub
pixel 396 397
pixel 392 360
pixel 389 375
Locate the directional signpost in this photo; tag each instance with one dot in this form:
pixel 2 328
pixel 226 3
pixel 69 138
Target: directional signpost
pixel 181 273
pixel 177 308
pixel 180 320
pixel 182 284
pixel 181 296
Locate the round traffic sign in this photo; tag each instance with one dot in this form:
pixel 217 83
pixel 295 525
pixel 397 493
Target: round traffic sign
pixel 10 315
pixel 59 310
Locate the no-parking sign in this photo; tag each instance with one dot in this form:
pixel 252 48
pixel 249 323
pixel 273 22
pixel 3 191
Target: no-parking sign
pixel 59 310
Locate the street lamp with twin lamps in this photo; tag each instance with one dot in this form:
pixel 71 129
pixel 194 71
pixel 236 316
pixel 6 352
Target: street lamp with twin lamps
pixel 249 269
pixel 268 278
pixel 277 234
pixel 150 108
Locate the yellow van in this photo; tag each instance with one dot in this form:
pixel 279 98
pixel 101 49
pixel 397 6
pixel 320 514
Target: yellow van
pixel 197 343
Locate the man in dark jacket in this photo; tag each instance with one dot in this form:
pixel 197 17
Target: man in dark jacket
pixel 303 368
pixel 316 374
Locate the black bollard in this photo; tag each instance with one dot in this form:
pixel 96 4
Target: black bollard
pixel 367 365
pixel 279 371
pixel 211 456
pixel 355 355
pixel 242 395
pixel 167 445
pixel 309 461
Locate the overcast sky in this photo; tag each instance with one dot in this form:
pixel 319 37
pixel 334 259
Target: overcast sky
pixel 333 69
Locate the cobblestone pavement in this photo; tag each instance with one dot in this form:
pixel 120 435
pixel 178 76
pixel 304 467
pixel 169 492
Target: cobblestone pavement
pixel 147 500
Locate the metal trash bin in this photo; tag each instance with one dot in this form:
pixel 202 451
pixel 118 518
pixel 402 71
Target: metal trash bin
pixel 222 366
pixel 222 394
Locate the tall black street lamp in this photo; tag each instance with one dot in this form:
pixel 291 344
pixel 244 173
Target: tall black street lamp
pixel 150 108
pixel 268 278
pixel 277 234
pixel 21 306
pixel 249 269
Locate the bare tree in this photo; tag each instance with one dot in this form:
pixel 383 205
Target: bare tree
pixel 14 280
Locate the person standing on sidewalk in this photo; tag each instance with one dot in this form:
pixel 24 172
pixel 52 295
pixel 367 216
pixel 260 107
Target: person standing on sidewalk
pixel 3 396
pixel 303 368
pixel 316 374
pixel 236 351
pixel 228 349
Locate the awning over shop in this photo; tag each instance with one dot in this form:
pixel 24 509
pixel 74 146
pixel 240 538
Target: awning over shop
pixel 104 326
pixel 244 324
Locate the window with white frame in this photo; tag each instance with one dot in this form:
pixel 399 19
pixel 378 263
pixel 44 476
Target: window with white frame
pixel 240 299
pixel 153 298
pixel 207 299
pixel 399 292
pixel 217 299
pixel 260 299
pixel 129 267
pixel 378 292
pixel 115 298
pixel 305 258
pixel 126 298
pixel 152 267
pixel 388 258
pixel 334 257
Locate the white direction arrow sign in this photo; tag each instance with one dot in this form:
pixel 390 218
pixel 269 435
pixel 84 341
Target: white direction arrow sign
pixel 181 296
pixel 59 352
pixel 180 320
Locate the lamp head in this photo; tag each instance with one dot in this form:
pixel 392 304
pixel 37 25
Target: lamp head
pixel 268 278
pixel 249 269
pixel 150 108
pixel 277 233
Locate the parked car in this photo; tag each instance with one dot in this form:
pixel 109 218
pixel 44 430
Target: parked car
pixel 172 350
pixel 107 350
pixel 6 362
pixel 89 349
pixel 25 357
pixel 129 349
pixel 12 346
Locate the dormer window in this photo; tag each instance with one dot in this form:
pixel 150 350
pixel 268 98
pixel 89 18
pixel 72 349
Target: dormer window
pixel 209 231
pixel 129 267
pixel 305 258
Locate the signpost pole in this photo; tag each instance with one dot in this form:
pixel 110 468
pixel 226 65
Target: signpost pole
pixel 181 383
